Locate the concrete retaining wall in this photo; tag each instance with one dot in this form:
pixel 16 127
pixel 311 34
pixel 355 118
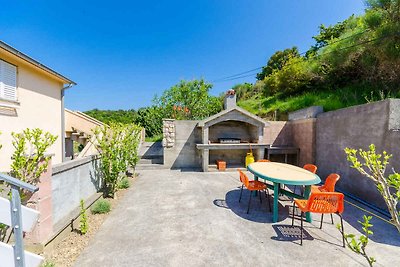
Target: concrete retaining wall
pixel 303 136
pixel 184 153
pixel 357 127
pixel 72 181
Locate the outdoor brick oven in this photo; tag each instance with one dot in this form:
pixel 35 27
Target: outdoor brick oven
pixel 229 135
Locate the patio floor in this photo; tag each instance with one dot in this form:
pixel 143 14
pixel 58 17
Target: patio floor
pixel 187 218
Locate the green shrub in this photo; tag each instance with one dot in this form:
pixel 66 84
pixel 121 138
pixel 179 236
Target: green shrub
pixel 84 226
pixel 48 264
pixel 124 183
pixel 101 206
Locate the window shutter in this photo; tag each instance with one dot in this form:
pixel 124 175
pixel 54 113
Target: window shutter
pixel 8 81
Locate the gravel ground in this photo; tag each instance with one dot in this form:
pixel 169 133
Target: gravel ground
pixel 67 251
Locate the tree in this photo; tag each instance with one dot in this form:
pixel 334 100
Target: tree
pixel 118 148
pixel 29 159
pixel 189 100
pixel 327 34
pixel 243 91
pixel 374 167
pixel 277 61
pixel 150 118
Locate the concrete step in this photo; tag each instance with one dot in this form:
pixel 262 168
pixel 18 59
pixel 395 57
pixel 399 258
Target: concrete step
pixel 155 160
pixel 150 167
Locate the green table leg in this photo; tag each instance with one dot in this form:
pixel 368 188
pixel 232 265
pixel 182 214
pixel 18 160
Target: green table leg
pixel 275 208
pixel 307 192
pixel 255 179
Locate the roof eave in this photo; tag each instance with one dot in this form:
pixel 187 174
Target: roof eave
pixel 34 62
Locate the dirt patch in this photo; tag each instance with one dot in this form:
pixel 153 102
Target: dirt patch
pixel 67 251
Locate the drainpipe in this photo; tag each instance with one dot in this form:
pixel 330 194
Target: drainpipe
pixel 63 120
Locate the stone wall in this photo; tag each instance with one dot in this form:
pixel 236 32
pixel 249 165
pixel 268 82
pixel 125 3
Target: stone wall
pixel 357 127
pixel 303 136
pixel 278 133
pixel 168 133
pixel 179 142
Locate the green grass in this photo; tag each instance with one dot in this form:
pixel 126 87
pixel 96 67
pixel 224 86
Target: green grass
pixel 101 206
pixel 155 138
pixel 329 100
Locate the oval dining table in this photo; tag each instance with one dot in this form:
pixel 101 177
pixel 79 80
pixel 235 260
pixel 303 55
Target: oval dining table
pixel 282 173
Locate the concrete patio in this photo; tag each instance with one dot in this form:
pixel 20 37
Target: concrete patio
pixel 188 218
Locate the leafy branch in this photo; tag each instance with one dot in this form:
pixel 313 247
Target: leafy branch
pixel 29 159
pixel 374 167
pixel 359 246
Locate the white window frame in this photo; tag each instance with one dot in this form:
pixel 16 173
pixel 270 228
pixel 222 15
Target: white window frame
pixel 8 80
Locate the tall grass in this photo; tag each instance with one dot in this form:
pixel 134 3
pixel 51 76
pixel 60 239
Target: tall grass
pixel 328 99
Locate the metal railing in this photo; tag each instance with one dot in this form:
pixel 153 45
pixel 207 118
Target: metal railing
pixel 16 215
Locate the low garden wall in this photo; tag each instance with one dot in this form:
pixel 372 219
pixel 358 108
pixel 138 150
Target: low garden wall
pixel 72 181
pixel 61 188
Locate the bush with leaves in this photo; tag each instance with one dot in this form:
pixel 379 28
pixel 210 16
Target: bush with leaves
pixel 29 160
pixel 84 226
pixel 374 167
pixel 101 206
pixel 118 146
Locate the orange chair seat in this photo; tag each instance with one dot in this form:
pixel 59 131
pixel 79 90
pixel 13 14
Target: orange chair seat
pixel 256 185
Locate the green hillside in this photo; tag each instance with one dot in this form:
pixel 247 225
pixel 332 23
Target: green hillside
pixel 352 62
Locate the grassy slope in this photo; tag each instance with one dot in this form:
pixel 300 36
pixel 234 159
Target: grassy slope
pixel 330 100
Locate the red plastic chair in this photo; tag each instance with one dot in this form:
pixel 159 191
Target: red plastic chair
pixel 321 202
pixel 253 186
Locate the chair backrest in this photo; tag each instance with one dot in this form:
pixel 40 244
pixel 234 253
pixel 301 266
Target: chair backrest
pixel 243 178
pixel 326 202
pixel 311 168
pixel 330 182
pixel 263 160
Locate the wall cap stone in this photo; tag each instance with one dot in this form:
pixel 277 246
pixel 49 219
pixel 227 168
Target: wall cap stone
pixel 306 113
pixel 64 166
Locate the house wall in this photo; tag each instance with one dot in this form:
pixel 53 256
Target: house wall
pixel 357 127
pixel 39 106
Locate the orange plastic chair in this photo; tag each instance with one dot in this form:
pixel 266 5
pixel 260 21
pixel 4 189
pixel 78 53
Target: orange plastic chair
pixel 253 186
pixel 328 186
pixel 309 167
pixel 321 202
pixel 263 160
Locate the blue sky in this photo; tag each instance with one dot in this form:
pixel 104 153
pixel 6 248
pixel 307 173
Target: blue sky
pixel 122 53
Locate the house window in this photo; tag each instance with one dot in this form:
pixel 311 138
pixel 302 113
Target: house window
pixel 8 81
